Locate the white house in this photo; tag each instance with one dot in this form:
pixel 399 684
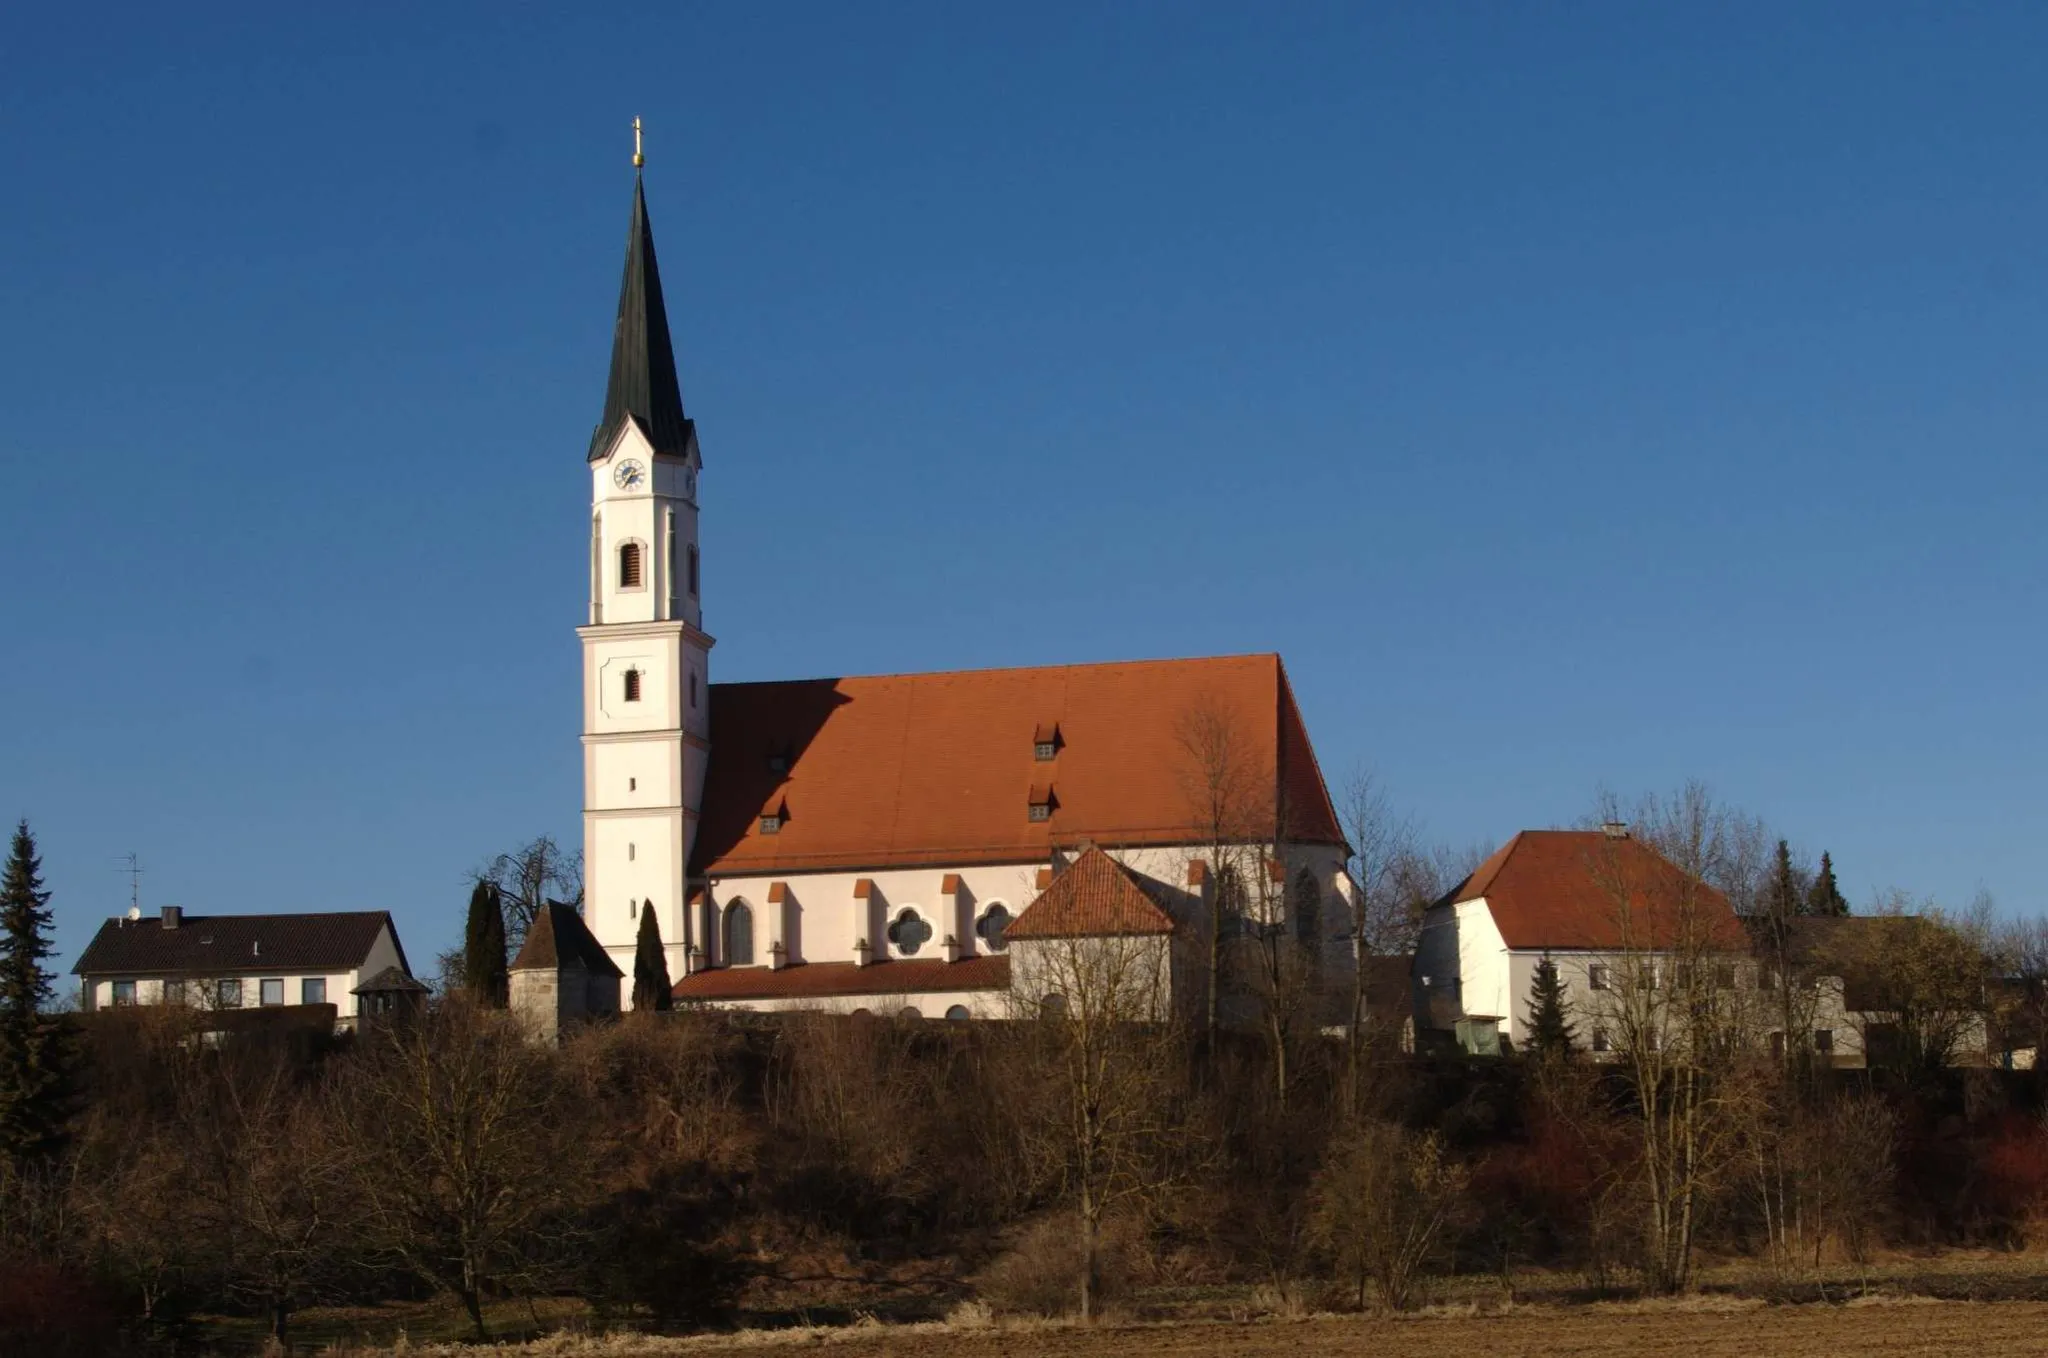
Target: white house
pixel 238 961
pixel 863 843
pixel 1592 901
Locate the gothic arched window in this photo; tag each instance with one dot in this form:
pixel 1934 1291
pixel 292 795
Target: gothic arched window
pixel 958 1011
pixel 989 928
pixel 631 569
pixel 909 932
pixel 1307 909
pixel 739 935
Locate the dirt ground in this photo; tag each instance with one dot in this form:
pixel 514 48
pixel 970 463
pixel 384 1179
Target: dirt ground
pixel 1872 1329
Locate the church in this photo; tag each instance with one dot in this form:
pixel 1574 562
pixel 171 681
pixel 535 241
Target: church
pixel 884 844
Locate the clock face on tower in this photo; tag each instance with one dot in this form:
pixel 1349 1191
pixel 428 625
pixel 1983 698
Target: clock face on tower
pixel 630 475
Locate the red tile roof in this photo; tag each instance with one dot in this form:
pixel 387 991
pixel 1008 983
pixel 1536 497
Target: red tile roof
pixel 826 980
pixel 897 770
pixel 1095 896
pixel 1563 889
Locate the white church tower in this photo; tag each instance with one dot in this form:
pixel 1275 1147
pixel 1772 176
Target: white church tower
pixel 646 695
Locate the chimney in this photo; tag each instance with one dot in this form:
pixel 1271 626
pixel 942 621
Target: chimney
pixel 174 915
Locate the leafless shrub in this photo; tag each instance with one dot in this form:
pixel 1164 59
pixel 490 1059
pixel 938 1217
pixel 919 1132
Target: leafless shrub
pixel 1382 1203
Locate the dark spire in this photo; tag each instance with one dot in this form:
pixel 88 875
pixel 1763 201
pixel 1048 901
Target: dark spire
pixel 643 383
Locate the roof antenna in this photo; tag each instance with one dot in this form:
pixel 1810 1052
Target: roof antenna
pixel 638 159
pixel 134 871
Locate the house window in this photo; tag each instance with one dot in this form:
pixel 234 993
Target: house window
pixel 1724 976
pixel 1601 1042
pixel 272 990
pixel 1044 750
pixel 1041 811
pixel 313 990
pixel 632 785
pixel 1824 1040
pixel 124 992
pixel 1777 1046
pixel 1053 1006
pixel 989 928
pixel 229 994
pixel 909 932
pixel 693 690
pixel 693 570
pixel 1599 977
pixel 958 1011
pixel 630 568
pixel 771 825
pixel 1767 978
pixel 907 1013
pixel 739 935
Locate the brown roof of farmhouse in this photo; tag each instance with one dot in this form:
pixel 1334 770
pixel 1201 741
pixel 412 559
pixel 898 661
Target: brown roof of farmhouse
pixel 235 944
pixel 1095 896
pixel 559 938
pixel 827 980
pixel 1566 889
pixel 903 769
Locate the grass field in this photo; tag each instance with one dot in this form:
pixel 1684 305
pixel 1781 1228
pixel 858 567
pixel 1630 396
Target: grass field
pixel 1875 1328
pixel 1980 1303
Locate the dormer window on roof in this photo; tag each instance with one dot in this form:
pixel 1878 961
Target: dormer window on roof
pixel 1041 801
pixel 1046 742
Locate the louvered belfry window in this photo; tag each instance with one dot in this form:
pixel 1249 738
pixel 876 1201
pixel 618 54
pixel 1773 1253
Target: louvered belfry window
pixel 632 686
pixel 629 566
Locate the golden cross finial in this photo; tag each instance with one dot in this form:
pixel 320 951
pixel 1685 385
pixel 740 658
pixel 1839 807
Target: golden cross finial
pixel 638 159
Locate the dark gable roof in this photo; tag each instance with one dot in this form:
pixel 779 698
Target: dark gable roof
pixel 560 939
pixel 239 945
pixel 643 386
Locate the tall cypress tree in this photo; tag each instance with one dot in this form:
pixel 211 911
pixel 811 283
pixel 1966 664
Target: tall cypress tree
pixel 651 988
pixel 483 948
pixel 1825 898
pixel 32 1055
pixel 1550 1032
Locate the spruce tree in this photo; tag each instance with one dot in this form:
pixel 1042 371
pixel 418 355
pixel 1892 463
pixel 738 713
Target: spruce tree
pixel 1782 899
pixel 1825 898
pixel 32 1075
pixel 1550 1032
pixel 651 989
pixel 483 948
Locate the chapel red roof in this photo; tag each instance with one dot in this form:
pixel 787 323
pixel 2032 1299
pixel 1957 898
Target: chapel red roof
pixel 1586 889
pixel 905 769
pixel 1094 897
pixel 827 980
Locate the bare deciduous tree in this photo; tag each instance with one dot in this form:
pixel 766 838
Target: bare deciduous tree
pixel 1381 1205
pixel 460 1151
pixel 527 878
pixel 1678 1020
pixel 1108 1132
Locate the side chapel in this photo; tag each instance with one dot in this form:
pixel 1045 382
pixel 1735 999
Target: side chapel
pixel 875 843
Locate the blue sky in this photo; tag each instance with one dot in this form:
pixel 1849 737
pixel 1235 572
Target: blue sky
pixel 1582 396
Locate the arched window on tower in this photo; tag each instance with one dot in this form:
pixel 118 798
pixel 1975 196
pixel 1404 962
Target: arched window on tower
pixel 1307 909
pixel 739 935
pixel 632 686
pixel 693 570
pixel 631 568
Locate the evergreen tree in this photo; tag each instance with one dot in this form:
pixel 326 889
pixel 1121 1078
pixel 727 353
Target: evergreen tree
pixel 32 1056
pixel 483 948
pixel 1550 1032
pixel 1783 899
pixel 1825 898
pixel 651 988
